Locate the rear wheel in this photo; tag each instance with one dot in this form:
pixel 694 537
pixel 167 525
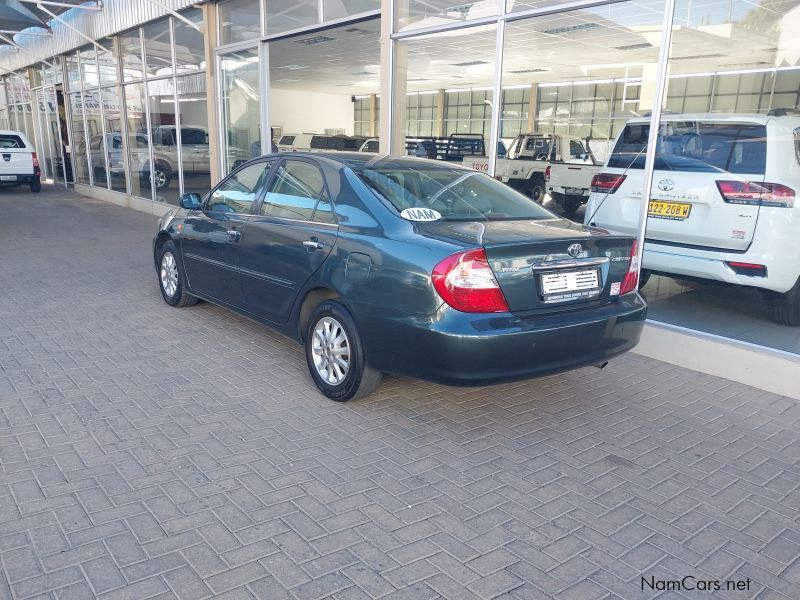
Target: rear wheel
pixel 171 279
pixel 162 175
pixel 335 355
pixel 537 190
pixel 36 186
pixel 784 308
pixel 572 203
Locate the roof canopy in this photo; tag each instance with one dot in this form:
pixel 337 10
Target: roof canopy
pixel 18 15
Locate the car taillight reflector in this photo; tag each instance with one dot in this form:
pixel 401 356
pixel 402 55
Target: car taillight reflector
pixel 466 282
pixel 749 269
pixel 632 276
pixel 607 183
pixel 756 193
pixel 547 173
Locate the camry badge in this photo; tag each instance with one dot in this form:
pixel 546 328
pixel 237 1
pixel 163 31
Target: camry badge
pixel 575 250
pixel 665 185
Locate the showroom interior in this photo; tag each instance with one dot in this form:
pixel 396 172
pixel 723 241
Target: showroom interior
pixel 137 104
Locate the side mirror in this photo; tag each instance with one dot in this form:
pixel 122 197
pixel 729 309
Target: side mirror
pixel 191 201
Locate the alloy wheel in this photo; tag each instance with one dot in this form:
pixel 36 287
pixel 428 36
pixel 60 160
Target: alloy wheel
pixel 330 349
pixel 169 274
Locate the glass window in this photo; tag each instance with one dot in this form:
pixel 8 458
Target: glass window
pixel 295 191
pixel 157 48
pixel 417 14
pixel 239 21
pixel 189 43
pixel 164 139
pixel 240 107
pixel 195 152
pixel 107 62
pixel 130 47
pixel 80 152
pixel 339 9
pixel 237 193
pixel 138 149
pixel 114 152
pixel 284 15
pixel 89 74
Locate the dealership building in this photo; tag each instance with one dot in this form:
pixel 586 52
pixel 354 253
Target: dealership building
pixel 139 101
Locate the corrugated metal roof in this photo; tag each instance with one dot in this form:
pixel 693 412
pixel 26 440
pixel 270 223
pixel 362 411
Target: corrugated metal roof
pixel 115 16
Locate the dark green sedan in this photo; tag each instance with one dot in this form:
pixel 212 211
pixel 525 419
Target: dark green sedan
pixel 402 265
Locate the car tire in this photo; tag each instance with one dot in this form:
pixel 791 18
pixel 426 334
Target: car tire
pixel 162 176
pixel 338 378
pixel 171 279
pixel 36 186
pixel 572 203
pixel 784 308
pixel 537 191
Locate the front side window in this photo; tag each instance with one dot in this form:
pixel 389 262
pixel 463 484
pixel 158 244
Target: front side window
pixel 238 192
pixel 196 137
pixel 296 192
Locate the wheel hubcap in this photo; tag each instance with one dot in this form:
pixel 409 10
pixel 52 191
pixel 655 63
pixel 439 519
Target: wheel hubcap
pixel 169 274
pixel 330 349
pixel 160 178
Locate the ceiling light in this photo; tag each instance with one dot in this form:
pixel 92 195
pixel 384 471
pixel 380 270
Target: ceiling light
pixel 572 28
pixel 470 63
pixel 317 39
pixel 634 46
pixel 521 71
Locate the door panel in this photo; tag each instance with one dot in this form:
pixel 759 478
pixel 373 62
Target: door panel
pixel 287 241
pixel 210 243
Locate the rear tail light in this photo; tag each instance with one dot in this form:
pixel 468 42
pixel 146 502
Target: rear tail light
pixel 756 194
pixel 632 277
pixel 36 168
pixel 547 173
pixel 607 183
pixel 466 282
pixel 749 269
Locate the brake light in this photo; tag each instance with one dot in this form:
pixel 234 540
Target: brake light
pixel 547 173
pixel 607 183
pixel 466 282
pixel 748 269
pixel 35 159
pixel 754 193
pixel 632 276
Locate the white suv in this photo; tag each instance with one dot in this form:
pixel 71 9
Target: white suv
pixel 723 204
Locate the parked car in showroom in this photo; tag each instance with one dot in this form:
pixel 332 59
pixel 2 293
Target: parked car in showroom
pixel 402 265
pixel 723 205
pixel 19 164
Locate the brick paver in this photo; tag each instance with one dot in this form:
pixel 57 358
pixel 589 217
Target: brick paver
pixel 149 452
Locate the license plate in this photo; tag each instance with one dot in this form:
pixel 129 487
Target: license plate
pixel 8 177
pixel 566 282
pixel 677 211
pixel 573 191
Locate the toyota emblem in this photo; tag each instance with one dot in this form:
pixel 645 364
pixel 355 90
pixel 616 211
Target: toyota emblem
pixel 665 185
pixel 575 250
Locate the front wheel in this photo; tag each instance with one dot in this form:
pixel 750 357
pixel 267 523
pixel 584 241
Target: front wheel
pixel 171 279
pixel 784 308
pixel 162 175
pixel 335 355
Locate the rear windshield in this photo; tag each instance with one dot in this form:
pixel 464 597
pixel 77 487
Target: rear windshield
pixel 695 146
pixel 287 140
pixel 10 141
pixel 456 194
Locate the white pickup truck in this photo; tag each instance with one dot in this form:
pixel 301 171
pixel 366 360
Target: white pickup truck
pixel 18 162
pixel 531 155
pixel 569 181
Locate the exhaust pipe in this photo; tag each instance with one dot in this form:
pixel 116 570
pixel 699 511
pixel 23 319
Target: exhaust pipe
pixel 601 365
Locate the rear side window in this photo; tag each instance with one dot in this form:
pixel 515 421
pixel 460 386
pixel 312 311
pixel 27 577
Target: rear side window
pixel 287 140
pixel 695 146
pixel 11 141
pixel 319 142
pixel 194 136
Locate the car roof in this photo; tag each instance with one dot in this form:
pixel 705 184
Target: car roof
pixel 721 117
pixel 386 161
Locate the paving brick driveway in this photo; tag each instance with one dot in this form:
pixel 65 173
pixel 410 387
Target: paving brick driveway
pixel 149 452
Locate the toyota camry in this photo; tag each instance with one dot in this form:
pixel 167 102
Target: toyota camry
pixel 402 265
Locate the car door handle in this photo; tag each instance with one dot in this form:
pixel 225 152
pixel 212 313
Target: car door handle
pixel 235 234
pixel 313 245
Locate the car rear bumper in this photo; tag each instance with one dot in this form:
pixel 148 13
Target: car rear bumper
pixel 782 269
pixel 18 177
pixel 458 348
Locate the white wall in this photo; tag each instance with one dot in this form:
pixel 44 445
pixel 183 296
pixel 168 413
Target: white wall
pixel 310 112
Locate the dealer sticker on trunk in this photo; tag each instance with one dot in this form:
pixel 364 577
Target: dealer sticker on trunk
pixel 421 214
